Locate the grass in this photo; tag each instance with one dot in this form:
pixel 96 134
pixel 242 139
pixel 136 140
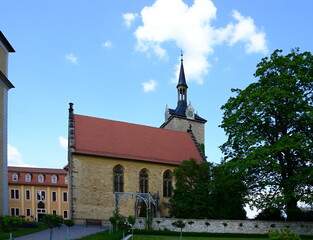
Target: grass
pixel 23 231
pixel 145 237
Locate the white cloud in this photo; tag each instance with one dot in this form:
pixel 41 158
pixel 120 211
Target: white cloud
pixel 70 57
pixel 246 31
pixel 149 86
pixel 63 142
pixel 192 29
pixel 107 44
pixel 15 158
pixel 129 18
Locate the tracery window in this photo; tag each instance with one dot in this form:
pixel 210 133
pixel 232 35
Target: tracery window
pixel 118 179
pixel 143 181
pixel 167 184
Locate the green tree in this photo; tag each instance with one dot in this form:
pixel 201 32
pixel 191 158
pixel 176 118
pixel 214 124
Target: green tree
pixel 179 224
pixel 270 135
pixel 69 223
pixel 228 193
pixel 52 221
pixel 191 194
pixel 132 220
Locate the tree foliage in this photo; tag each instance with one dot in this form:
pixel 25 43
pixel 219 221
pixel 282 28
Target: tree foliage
pixel 228 193
pixel 207 191
pixel 191 193
pixel 270 135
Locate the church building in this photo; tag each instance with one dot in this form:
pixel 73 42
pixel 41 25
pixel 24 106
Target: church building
pixel 114 164
pixel 5 86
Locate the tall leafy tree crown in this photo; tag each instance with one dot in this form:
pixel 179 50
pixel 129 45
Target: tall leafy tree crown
pixel 269 129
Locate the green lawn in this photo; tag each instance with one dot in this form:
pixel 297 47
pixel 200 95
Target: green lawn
pixel 151 237
pixel 23 231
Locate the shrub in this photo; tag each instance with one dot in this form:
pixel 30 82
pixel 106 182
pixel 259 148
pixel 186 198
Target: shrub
pixel 283 234
pixel 240 225
pixel 225 224
pixel 273 225
pixel 10 223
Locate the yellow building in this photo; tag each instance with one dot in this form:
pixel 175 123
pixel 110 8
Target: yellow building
pixel 34 192
pixel 112 163
pixel 5 85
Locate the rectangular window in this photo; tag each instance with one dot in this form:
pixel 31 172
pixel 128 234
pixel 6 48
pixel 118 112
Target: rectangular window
pixel 65 214
pixel 15 194
pixel 64 196
pixel 15 212
pixel 27 194
pixel 53 196
pixel 41 195
pixel 54 212
pixel 27 212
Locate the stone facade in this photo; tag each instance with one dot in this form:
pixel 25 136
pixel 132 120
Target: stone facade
pixel 5 85
pixel 92 189
pixel 23 198
pixel 183 124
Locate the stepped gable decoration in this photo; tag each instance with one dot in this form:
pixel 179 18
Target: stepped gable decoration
pixel 114 139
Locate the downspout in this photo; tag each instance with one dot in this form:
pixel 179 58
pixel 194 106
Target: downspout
pixel 71 148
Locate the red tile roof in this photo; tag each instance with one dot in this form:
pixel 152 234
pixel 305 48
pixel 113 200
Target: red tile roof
pixel 115 139
pixel 35 172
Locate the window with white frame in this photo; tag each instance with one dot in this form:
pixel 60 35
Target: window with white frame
pixel 14 177
pixel 64 196
pixel 41 178
pixel 27 194
pixel 15 212
pixel 41 195
pixel 15 194
pixel 54 179
pixel 28 177
pixel 53 196
pixel 28 213
pixel 65 214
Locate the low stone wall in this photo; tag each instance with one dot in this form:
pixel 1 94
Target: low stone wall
pixel 228 226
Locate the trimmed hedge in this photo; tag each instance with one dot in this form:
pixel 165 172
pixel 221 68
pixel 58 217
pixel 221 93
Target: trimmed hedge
pixel 206 234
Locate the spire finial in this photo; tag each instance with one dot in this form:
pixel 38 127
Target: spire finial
pixel 181 55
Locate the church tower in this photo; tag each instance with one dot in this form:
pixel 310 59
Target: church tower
pixel 183 118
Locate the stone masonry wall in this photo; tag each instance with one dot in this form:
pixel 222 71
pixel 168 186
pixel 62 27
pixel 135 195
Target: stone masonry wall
pixel 93 196
pixel 180 124
pixel 233 226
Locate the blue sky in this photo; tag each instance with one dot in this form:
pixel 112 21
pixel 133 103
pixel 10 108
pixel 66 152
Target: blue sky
pixel 118 60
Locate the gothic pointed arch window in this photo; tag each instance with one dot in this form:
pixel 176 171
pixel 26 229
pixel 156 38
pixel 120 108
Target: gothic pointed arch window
pixel 118 179
pixel 143 181
pixel 167 184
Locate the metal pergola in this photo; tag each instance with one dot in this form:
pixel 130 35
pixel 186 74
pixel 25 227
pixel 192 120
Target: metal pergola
pixel 146 197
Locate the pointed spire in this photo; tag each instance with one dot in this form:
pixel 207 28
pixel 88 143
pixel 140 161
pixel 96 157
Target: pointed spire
pixel 182 79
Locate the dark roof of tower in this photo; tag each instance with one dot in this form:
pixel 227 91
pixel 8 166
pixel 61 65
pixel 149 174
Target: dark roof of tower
pixel 181 111
pixel 182 79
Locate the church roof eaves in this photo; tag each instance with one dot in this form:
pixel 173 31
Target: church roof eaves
pixel 6 43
